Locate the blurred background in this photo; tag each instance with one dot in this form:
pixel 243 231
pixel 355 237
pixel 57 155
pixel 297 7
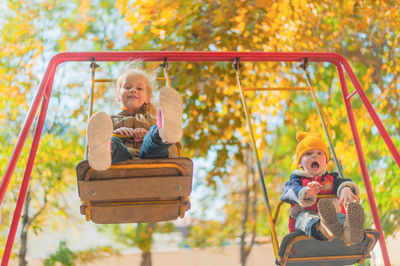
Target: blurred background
pixel 228 215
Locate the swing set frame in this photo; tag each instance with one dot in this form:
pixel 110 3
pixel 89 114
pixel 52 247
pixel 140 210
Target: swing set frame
pixel 43 96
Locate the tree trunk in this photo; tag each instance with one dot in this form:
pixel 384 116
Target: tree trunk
pixel 146 259
pixel 243 253
pixel 250 188
pixel 24 231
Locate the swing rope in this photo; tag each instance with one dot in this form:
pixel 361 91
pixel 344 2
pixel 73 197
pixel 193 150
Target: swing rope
pixel 93 66
pixel 166 73
pixel 304 67
pixel 275 245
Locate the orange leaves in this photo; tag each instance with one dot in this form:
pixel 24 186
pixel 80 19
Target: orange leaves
pixel 20 30
pixel 367 78
pixel 122 6
pixel 240 20
pixel 140 14
pixel 263 3
pixel 84 7
pixel 80 20
pixel 166 15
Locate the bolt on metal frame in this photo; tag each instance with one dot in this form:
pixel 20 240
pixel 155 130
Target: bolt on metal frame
pixel 44 93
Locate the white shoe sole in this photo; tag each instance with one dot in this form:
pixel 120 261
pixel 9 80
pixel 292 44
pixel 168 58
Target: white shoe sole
pixel 171 105
pixel 99 133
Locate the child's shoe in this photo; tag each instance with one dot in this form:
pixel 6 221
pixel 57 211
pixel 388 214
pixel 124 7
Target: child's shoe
pixel 354 224
pixel 99 133
pixel 169 119
pixel 330 226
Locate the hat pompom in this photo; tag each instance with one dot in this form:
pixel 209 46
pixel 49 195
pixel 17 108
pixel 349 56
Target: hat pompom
pixel 300 135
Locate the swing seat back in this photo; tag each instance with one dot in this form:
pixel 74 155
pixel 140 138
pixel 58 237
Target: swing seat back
pixel 136 191
pixel 298 249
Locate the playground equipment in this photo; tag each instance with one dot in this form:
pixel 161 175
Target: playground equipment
pixel 149 190
pixel 135 191
pixel 44 93
pixel 297 249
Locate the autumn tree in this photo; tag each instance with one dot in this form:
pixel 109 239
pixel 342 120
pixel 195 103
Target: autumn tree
pixel 365 32
pixel 31 33
pixel 139 235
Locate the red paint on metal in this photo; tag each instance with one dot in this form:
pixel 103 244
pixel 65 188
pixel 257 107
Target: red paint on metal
pixel 363 165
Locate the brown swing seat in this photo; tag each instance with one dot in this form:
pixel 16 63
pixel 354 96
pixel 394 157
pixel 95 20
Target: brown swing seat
pixel 136 191
pixel 297 249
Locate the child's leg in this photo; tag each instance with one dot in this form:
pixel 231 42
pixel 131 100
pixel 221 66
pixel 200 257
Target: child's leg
pixel 169 126
pixel 119 152
pixel 169 119
pixel 153 146
pixel 341 218
pixel 99 134
pixel 306 222
pixel 354 224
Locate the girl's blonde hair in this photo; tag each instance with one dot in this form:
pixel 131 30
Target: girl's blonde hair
pixel 134 68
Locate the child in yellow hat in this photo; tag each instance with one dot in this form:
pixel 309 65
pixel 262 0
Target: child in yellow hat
pixel 322 219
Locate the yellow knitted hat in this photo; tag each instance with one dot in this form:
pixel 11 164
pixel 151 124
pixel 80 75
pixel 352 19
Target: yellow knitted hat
pixel 309 141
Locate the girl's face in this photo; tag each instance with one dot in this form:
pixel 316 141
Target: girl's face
pixel 133 92
pixel 313 162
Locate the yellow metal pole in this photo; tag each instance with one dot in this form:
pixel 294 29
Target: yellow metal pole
pixel 93 66
pixel 166 73
pixel 275 244
pixel 279 89
pixel 104 80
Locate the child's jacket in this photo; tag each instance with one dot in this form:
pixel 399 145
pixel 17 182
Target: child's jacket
pixel 144 118
pixel 295 190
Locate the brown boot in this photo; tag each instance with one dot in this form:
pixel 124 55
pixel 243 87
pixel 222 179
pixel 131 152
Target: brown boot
pixel 354 224
pixel 330 226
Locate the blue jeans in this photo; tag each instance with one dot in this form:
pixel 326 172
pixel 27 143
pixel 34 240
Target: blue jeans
pixel 306 221
pixel 152 147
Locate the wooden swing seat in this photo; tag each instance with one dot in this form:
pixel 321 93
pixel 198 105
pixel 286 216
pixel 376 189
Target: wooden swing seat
pixel 136 191
pixel 298 249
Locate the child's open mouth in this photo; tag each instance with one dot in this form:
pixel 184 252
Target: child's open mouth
pixel 315 165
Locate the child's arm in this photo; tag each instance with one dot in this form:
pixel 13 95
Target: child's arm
pixel 313 189
pixel 295 192
pixel 136 133
pixel 347 196
pixel 346 190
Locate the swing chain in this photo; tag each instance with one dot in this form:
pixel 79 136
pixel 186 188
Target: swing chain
pixel 93 64
pixel 164 64
pixel 304 64
pixel 166 73
pixel 236 64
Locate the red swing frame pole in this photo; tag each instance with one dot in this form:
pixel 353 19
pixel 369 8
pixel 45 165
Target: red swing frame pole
pixel 44 92
pixel 363 165
pixel 26 178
